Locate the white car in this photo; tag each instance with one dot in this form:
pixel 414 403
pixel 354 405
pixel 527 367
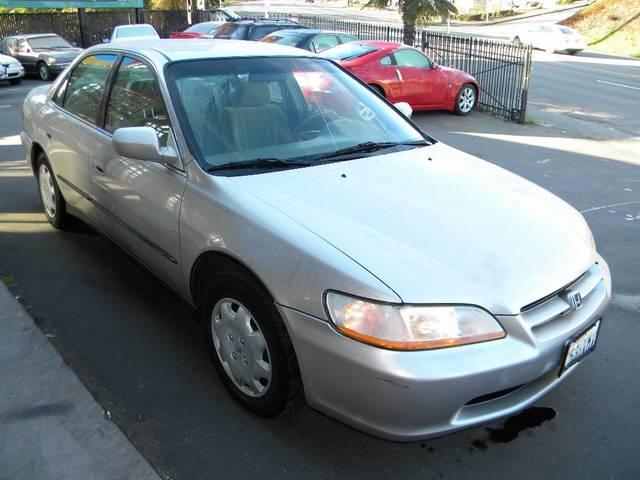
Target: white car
pixel 11 70
pixel 129 32
pixel 552 38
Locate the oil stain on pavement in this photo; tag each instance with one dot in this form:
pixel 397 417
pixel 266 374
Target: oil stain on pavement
pixel 513 426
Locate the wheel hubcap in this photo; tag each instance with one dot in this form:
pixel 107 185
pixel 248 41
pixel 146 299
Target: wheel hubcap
pixel 467 99
pixel 43 72
pixel 47 190
pixel 241 347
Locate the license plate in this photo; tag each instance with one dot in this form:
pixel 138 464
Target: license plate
pixel 580 346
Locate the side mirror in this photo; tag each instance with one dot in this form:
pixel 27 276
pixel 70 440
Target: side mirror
pixel 435 66
pixel 141 143
pixel 74 44
pixel 404 108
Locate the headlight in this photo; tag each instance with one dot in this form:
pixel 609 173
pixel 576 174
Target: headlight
pixel 15 65
pixel 411 327
pixel 52 60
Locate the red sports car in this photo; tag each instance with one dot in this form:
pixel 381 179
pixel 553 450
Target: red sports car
pixel 404 74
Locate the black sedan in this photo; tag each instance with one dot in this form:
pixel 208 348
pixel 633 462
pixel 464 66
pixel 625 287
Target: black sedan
pixel 308 39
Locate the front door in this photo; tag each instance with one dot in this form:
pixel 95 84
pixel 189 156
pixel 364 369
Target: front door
pixel 421 83
pixel 143 197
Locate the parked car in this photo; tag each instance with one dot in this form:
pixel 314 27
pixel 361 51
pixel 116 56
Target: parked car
pixel 11 70
pixel 342 257
pixel 198 30
pixel 405 74
pixel 552 38
pixel 138 31
pixel 313 40
pixel 222 15
pixel 253 29
pixel 45 54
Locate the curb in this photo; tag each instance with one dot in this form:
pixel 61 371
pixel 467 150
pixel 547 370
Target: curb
pixel 51 425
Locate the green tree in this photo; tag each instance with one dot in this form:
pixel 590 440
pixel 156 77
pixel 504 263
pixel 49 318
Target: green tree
pixel 413 11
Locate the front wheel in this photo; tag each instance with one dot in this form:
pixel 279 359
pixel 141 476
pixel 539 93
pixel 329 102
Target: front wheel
pixel 249 344
pixel 466 99
pixel 52 200
pixel 44 72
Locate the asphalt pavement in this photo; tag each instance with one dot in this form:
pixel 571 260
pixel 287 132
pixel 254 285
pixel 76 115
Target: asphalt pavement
pixel 137 350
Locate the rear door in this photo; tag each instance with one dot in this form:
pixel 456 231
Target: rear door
pixel 73 132
pixel 143 197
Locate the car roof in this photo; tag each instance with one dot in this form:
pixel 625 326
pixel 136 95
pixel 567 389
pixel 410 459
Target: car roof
pixel 174 50
pixel 37 35
pixel 265 21
pixel 134 25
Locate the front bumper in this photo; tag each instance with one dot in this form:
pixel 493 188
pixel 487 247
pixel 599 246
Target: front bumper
pixel 58 67
pixel 11 73
pixel 407 396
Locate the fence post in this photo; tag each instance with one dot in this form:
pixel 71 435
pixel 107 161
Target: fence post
pixel 424 40
pixel 138 15
pixel 81 25
pixel 525 86
pixel 388 34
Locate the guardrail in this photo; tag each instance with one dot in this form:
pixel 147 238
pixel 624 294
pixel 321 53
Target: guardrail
pixel 502 69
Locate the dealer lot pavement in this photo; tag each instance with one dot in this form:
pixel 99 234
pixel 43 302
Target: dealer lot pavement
pixel 136 349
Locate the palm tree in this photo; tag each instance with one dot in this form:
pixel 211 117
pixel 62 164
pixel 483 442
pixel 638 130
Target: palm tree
pixel 414 10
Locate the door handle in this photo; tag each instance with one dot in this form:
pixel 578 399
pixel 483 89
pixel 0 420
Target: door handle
pixel 49 135
pixel 399 75
pixel 99 169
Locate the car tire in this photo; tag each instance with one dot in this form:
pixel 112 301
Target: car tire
pixel 15 81
pixel 249 344
pixel 378 90
pixel 466 99
pixel 53 203
pixel 43 71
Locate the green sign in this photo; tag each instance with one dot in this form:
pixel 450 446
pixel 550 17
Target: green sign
pixel 71 3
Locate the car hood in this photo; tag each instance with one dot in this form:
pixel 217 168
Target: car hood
pixel 7 59
pixel 62 54
pixel 437 225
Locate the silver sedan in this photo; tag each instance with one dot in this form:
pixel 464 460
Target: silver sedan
pixel 335 253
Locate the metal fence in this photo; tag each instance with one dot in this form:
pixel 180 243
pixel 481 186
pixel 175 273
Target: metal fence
pixel 502 69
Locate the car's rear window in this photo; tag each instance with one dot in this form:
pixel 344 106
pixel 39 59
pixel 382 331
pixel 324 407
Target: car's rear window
pixel 204 27
pixel 285 38
pixel 232 31
pixel 348 51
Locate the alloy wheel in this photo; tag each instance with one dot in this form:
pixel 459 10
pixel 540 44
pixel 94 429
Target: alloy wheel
pixel 467 99
pixel 241 347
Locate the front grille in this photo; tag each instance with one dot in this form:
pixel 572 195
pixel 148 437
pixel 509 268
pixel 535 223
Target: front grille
pixel 556 307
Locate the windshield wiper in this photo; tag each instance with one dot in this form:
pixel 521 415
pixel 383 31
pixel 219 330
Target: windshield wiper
pixel 367 147
pixel 258 163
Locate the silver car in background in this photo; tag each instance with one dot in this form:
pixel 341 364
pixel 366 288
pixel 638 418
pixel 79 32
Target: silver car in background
pixel 335 253
pixel 551 38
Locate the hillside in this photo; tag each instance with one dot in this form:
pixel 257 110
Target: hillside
pixel 610 26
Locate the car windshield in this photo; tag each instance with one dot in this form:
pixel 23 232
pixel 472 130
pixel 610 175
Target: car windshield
pixel 231 31
pixel 137 31
pixel 566 31
pixel 280 109
pixel 348 51
pixel 290 39
pixel 50 41
pixel 204 27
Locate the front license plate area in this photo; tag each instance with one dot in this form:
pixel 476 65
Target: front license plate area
pixel 580 346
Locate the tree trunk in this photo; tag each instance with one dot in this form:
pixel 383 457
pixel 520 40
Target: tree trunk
pixel 409 25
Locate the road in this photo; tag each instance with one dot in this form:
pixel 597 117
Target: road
pixel 137 349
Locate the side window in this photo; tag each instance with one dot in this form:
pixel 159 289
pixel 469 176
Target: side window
pixel 258 32
pixel 85 86
pixel 136 101
pixel 323 42
pixel 386 60
pixel 21 46
pixel 411 58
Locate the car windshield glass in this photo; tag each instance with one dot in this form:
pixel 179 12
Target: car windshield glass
pixel 269 111
pixel 138 31
pixel 348 51
pixel 52 41
pixel 566 31
pixel 204 27
pixel 290 39
pixel 231 31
